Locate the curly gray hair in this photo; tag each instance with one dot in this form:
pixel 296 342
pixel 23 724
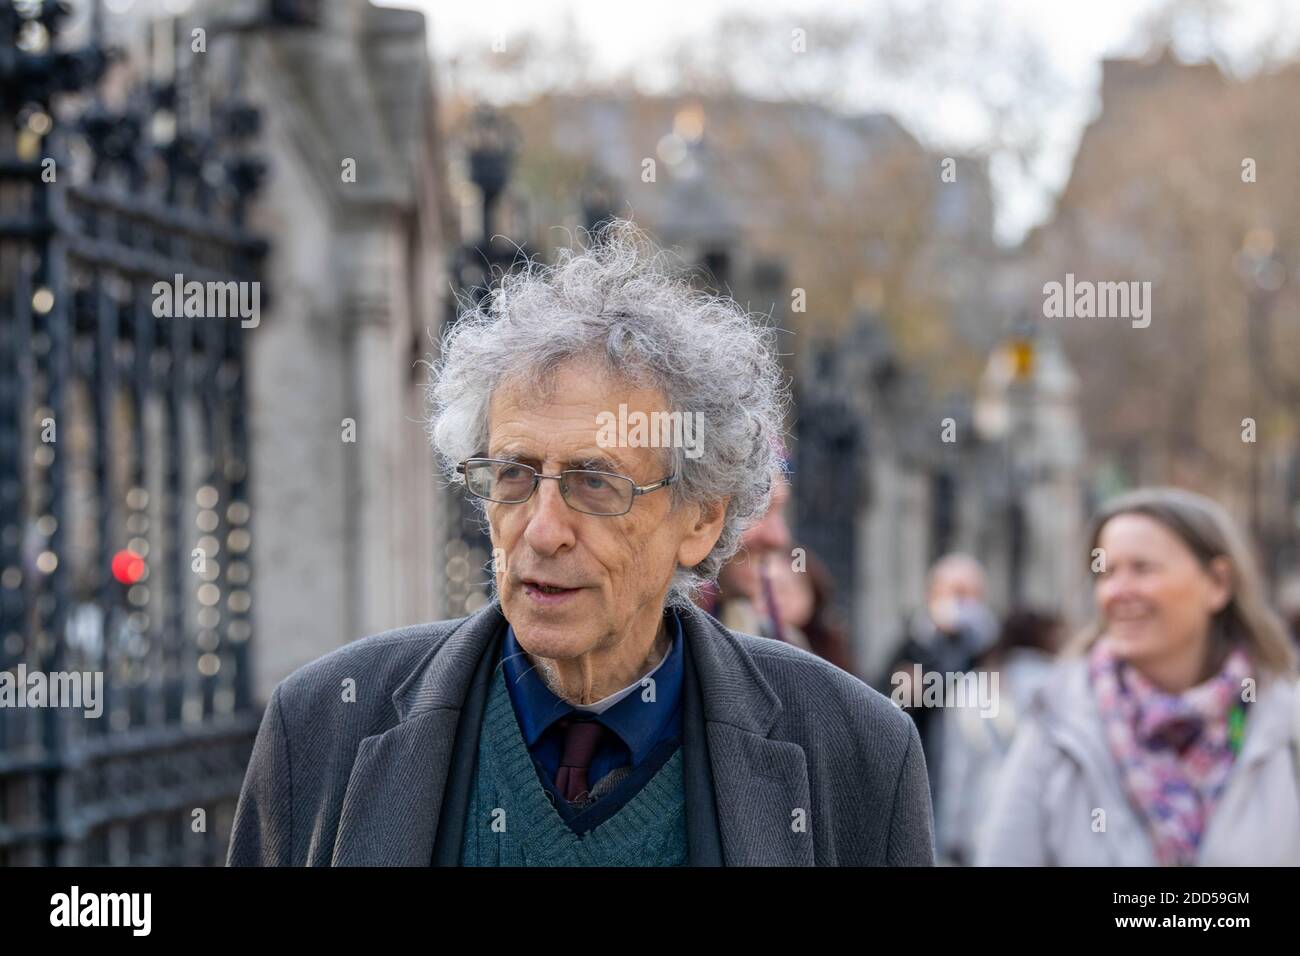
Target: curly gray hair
pixel 619 303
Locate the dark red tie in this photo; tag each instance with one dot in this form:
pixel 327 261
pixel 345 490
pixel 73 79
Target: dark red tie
pixel 581 738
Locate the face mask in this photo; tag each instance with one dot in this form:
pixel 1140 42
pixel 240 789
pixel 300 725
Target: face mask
pixel 945 614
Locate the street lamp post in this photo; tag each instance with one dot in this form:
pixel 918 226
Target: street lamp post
pixel 598 198
pixel 491 143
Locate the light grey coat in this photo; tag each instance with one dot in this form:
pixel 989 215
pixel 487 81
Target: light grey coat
pixel 1060 771
pixel 801 763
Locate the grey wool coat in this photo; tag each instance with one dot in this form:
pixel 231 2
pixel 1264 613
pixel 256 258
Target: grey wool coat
pixel 788 760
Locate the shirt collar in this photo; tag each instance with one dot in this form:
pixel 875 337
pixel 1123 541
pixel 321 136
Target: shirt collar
pixel 626 712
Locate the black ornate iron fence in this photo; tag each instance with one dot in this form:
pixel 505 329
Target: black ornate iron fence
pixel 124 447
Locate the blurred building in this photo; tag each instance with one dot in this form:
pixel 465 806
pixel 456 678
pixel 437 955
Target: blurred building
pixel 1185 180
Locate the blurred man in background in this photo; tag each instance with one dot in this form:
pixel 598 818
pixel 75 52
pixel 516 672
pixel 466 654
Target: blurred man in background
pixel 976 744
pixel 947 636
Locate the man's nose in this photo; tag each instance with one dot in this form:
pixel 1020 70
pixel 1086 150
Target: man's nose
pixel 550 522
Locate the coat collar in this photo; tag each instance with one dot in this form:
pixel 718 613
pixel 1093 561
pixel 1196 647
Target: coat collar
pixel 389 815
pixel 399 778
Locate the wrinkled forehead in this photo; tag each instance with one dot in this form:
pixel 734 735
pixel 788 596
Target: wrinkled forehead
pixel 569 414
pixel 580 387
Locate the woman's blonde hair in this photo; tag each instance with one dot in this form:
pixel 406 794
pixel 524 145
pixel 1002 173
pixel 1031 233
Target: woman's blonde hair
pixel 1209 532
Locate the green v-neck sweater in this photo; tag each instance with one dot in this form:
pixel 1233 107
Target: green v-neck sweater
pixel 511 820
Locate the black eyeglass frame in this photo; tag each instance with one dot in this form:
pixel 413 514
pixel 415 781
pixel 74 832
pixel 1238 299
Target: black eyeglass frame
pixel 637 490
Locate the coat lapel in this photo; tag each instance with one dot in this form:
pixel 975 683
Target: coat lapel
pixel 390 810
pixel 762 795
pixel 760 784
pixel 389 815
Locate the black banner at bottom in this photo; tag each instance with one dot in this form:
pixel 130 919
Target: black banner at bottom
pixel 216 907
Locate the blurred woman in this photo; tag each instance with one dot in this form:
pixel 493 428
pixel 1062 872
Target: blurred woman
pixel 1171 735
pixel 805 603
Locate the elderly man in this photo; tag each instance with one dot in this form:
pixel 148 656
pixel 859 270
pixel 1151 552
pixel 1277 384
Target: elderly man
pixel 617 428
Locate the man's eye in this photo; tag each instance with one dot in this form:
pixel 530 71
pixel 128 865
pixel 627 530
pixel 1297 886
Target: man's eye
pixel 510 473
pixel 595 482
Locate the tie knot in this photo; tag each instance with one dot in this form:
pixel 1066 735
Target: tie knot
pixel 581 739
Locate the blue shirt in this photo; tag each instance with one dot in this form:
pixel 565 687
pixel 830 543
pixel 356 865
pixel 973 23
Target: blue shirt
pixel 638 725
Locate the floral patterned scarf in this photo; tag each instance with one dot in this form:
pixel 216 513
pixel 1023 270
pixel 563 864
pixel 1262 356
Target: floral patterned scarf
pixel 1174 750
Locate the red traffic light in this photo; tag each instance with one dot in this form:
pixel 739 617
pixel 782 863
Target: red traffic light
pixel 128 567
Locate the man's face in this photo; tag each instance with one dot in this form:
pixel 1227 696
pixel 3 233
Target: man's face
pixel 615 570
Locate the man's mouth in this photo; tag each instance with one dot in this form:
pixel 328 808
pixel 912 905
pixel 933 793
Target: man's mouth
pixel 547 592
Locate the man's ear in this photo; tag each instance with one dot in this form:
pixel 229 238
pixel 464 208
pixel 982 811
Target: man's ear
pixel 703 533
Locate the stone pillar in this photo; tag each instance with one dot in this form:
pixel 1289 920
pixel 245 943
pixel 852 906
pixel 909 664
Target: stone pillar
pixel 345 534
pixel 893 540
pixel 1056 574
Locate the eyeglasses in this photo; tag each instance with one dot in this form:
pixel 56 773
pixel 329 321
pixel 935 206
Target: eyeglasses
pixel 591 492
